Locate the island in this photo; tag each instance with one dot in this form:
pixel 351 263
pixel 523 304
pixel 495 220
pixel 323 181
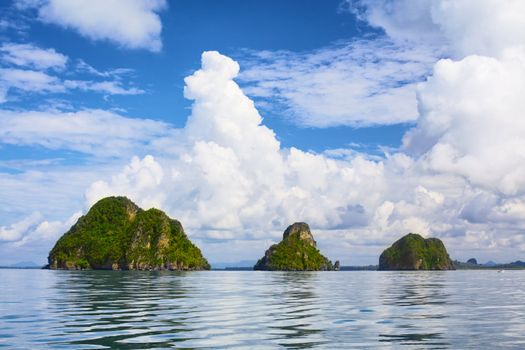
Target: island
pixel 116 234
pixel 413 252
pixel 296 252
pixel 472 264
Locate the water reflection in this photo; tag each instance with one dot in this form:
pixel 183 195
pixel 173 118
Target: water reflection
pixel 298 308
pixel 241 310
pixel 121 310
pixel 415 303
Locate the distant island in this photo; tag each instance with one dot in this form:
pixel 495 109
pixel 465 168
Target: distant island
pixel 472 264
pixel 116 234
pixel 296 252
pixel 22 265
pixel 413 252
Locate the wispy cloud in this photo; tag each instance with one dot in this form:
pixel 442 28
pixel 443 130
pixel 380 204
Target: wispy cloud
pixel 356 83
pixel 28 68
pixel 82 66
pixel 27 55
pixel 29 80
pixel 95 132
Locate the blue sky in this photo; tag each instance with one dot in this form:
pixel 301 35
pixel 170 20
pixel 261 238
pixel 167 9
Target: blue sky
pixel 371 122
pixel 188 29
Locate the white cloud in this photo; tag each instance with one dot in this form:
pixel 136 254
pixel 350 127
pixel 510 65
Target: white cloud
pixel 485 27
pixel 82 66
pixel 359 83
pixel 30 75
pixel 97 132
pixel 373 81
pixel 17 230
pixel 3 94
pixel 141 177
pixel 226 177
pixel 229 173
pixel 402 20
pixel 42 83
pixel 133 24
pixel 29 80
pixel 47 231
pixel 27 55
pixel 59 186
pixel 472 121
pixel 35 228
pixel 108 87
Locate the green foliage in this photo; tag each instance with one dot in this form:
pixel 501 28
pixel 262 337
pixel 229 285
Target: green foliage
pixel 115 233
pixel 413 252
pixel 293 254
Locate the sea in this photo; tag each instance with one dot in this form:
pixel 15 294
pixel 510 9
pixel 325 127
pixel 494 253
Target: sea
pixel 42 309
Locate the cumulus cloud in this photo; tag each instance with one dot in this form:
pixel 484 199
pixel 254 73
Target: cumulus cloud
pixel 402 20
pixel 45 231
pixel 227 176
pixel 229 172
pixel 469 27
pixel 34 229
pixel 458 175
pixel 133 24
pixel 16 231
pixel 472 117
pixel 373 81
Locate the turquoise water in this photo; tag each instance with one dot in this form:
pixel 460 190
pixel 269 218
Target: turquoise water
pixel 248 310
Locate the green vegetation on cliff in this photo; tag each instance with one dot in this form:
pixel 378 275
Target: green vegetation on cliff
pixel 296 252
pixel 117 234
pixel 413 252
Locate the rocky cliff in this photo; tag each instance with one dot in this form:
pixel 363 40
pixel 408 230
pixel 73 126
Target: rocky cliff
pixel 413 252
pixel 296 252
pixel 116 234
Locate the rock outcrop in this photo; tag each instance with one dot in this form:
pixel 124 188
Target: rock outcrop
pixel 117 235
pixel 413 252
pixel 296 252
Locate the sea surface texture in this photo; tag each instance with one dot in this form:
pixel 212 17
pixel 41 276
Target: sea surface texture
pixel 261 310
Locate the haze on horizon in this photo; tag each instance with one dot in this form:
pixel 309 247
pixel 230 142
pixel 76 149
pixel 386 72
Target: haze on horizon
pixel 365 119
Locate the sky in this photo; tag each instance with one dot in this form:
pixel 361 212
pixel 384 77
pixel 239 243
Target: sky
pixel 366 119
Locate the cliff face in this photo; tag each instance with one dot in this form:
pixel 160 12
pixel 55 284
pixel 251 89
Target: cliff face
pixel 117 234
pixel 296 252
pixel 413 252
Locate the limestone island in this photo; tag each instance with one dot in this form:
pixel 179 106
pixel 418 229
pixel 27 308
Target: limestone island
pixel 413 252
pixel 118 235
pixel 296 252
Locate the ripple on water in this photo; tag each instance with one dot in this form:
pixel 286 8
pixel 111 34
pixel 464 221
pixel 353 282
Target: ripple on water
pixel 259 310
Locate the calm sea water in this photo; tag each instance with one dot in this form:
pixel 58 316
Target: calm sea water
pixel 249 310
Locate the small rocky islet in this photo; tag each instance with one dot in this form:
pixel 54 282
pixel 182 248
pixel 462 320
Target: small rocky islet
pixel 413 252
pixel 296 252
pixel 116 234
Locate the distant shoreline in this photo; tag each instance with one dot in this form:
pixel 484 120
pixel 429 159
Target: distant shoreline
pixel 518 265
